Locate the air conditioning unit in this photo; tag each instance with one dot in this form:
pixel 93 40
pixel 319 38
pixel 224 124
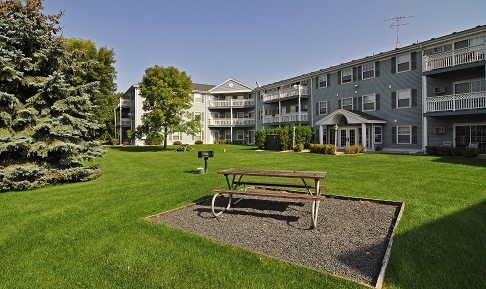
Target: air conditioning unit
pixel 305 107
pixel 439 130
pixel 439 89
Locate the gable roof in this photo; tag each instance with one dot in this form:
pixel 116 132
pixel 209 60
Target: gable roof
pixel 201 87
pixel 352 116
pixel 230 86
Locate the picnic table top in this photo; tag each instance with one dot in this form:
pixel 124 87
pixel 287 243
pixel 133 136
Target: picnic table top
pixel 274 173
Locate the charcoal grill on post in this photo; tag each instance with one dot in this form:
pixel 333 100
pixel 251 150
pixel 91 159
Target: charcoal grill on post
pixel 205 155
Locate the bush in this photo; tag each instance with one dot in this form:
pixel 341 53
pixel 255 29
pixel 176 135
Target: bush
pixel 198 142
pixel 354 149
pixel 327 149
pixel 177 143
pixel 451 151
pixel 299 148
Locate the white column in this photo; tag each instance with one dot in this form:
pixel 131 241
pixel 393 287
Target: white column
pixel 424 109
pixel 321 137
pixel 363 137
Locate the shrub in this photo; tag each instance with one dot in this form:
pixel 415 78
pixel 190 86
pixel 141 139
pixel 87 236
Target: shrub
pixel 328 149
pixel 451 151
pixel 198 142
pixel 299 148
pixel 354 149
pixel 177 143
pixel 260 138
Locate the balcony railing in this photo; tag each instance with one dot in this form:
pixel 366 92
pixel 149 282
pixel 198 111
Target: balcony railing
pixel 235 103
pixel 287 117
pixel 125 102
pixel 285 93
pixel 124 122
pixel 455 102
pixel 231 122
pixel 454 57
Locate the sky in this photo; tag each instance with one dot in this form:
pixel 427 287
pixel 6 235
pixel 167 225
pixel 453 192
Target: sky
pixel 262 41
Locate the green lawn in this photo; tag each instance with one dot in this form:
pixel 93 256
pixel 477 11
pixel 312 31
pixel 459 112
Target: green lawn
pixel 94 235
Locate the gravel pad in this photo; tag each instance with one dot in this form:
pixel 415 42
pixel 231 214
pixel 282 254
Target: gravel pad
pixel 350 240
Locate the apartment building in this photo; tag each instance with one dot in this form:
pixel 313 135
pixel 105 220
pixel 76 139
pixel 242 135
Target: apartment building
pixel 227 112
pixel 428 93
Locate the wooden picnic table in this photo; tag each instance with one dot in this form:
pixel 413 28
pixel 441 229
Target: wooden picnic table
pixel 256 183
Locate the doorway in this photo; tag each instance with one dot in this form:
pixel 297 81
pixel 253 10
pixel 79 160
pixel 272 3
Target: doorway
pixel 348 136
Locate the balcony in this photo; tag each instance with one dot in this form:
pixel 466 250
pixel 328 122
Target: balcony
pixel 285 93
pixel 232 103
pixel 456 102
pixel 125 103
pixel 286 118
pixel 454 57
pixel 125 122
pixel 231 122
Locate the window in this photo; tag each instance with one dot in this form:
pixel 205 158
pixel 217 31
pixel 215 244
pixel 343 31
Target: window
pixel 197 115
pixel 198 98
pixel 260 115
pixel 240 135
pixel 227 134
pixel 347 75
pixel 322 81
pixel 378 134
pixel 240 114
pixel 369 102
pixel 403 62
pixel 404 98
pixel 322 106
pixel 347 103
pixel 176 136
pixel 404 135
pixel 477 85
pixel 368 70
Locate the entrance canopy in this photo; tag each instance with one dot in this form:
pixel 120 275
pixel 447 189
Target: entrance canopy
pixel 352 117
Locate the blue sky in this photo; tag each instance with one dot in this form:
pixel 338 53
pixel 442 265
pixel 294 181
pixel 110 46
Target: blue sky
pixel 254 40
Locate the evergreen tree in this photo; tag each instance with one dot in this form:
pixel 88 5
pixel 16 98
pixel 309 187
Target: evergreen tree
pixel 46 125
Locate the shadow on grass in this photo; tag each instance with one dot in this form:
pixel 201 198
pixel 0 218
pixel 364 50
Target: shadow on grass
pixel 138 149
pixel 447 254
pixel 462 161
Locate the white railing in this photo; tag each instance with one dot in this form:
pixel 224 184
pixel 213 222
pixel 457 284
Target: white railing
pixel 464 101
pixel 454 57
pixel 124 121
pixel 285 93
pixel 125 102
pixel 232 103
pixel 287 117
pixel 231 122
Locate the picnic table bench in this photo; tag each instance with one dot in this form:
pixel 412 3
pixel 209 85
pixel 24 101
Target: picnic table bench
pixel 272 189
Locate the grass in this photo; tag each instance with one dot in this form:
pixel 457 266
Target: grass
pixel 94 235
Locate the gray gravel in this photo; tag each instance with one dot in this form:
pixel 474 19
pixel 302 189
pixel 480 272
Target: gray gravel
pixel 350 240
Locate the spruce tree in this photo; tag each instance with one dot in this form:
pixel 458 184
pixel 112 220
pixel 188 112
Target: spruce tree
pixel 46 122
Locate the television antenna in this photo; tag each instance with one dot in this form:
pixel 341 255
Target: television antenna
pixel 396 22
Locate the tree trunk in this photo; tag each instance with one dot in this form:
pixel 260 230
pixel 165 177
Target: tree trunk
pixel 165 138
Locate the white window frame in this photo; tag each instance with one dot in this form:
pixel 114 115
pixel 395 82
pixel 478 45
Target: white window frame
pixel 322 107
pixel 240 114
pixel 198 98
pixel 322 81
pixel 378 134
pixel 177 136
pixel 402 95
pixel 475 85
pixel 367 67
pixel 404 132
pixel 347 99
pixel 371 96
pixel 345 72
pixel 227 134
pixel 402 60
pixel 242 132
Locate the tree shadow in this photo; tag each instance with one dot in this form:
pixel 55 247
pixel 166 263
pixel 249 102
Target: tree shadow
pixel 138 149
pixel 462 161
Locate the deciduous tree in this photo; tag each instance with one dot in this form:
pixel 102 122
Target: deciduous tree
pixel 167 93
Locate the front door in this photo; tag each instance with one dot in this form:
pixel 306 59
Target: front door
pixel 347 137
